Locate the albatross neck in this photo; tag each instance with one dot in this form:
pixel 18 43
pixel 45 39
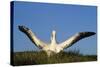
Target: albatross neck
pixel 53 37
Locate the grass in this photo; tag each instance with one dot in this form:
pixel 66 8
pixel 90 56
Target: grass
pixel 40 57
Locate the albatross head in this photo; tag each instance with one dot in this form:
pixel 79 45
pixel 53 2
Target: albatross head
pixel 53 37
pixel 53 32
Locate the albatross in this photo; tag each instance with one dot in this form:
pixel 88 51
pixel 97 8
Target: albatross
pixel 53 47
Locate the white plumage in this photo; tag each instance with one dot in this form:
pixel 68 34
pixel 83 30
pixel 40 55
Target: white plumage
pixel 53 46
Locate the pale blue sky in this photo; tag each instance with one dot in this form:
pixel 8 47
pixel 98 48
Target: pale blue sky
pixel 66 19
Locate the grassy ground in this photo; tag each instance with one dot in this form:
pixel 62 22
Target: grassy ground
pixel 34 58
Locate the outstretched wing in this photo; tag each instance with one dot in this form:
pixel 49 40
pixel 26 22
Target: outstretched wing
pixel 75 38
pixel 32 36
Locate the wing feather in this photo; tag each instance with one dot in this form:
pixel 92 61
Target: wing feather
pixel 75 39
pixel 32 36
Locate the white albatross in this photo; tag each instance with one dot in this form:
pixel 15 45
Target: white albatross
pixel 53 47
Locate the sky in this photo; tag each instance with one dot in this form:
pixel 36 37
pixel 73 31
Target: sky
pixel 66 19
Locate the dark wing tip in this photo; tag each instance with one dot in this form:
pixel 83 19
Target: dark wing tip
pixel 92 33
pixel 86 34
pixel 23 28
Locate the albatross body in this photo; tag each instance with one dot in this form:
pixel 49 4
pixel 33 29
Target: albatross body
pixel 53 47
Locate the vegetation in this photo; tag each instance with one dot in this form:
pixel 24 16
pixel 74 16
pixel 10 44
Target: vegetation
pixel 40 57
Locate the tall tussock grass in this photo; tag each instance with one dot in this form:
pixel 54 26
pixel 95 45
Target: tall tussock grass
pixel 40 57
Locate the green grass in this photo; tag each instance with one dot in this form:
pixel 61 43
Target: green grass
pixel 35 57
